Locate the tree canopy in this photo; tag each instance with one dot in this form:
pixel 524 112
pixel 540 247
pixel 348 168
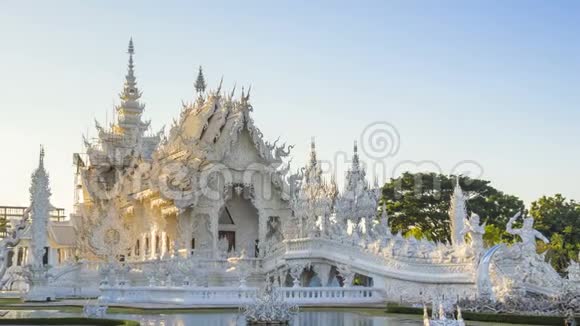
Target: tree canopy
pixel 418 205
pixel 559 220
pixel 420 202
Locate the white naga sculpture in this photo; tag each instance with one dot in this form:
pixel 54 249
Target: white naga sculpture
pixel 527 233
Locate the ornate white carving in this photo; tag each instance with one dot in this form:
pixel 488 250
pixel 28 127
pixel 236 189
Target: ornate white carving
pixel 111 237
pixel 475 232
pixel 148 186
pixel 527 234
pixel 457 215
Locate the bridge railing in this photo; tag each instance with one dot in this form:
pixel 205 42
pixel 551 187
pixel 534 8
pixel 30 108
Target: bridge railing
pixel 234 296
pixel 326 295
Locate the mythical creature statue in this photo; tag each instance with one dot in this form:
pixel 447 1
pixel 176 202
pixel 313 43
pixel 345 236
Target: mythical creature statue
pixel 475 231
pixel 527 233
pixel 10 242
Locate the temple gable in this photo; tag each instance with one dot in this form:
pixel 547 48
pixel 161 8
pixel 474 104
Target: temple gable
pixel 242 153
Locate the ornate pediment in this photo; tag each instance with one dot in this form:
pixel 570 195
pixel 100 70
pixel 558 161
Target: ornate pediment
pixel 243 153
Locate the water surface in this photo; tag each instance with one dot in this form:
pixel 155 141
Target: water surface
pixel 304 318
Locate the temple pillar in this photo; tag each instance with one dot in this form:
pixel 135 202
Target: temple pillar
pixel 262 230
pixel 163 243
pixel 152 243
pixel 142 247
pixel 52 256
pixel 213 224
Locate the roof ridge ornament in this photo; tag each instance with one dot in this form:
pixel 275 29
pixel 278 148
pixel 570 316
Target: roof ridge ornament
pixel 41 157
pixel 200 84
pixel 355 158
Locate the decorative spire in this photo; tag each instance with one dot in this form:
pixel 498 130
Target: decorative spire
pixel 41 158
pixel 355 159
pixel 457 214
pixel 130 110
pixel 39 211
pixel 219 89
pixel 130 90
pixel 200 82
pixel 313 160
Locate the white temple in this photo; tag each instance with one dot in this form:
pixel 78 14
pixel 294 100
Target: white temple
pixel 209 213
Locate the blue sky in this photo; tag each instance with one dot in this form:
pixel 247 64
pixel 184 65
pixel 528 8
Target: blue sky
pixel 495 82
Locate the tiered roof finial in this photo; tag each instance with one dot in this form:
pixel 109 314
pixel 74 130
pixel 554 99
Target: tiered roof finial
pixel 131 49
pixel 39 211
pixel 41 157
pixel 457 213
pixel 130 109
pixel 200 82
pixel 355 159
pixel 313 160
pixel 130 91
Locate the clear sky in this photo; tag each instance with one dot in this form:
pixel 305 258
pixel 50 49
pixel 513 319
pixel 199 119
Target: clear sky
pixel 494 82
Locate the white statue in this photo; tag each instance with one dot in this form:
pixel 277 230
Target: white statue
pixel 574 270
pixel 526 233
pixel 475 231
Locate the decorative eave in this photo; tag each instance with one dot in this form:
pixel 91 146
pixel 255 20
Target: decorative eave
pixel 159 203
pixel 168 211
pixel 145 194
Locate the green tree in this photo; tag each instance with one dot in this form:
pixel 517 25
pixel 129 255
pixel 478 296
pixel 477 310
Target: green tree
pixel 419 203
pixel 559 220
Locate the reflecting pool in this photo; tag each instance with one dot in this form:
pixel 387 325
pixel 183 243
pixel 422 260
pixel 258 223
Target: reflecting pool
pixel 220 318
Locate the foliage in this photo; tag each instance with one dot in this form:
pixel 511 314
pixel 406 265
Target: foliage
pixel 4 226
pixel 559 220
pixel 419 203
pixel 418 206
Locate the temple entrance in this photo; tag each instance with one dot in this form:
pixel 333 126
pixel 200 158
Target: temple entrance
pixel 238 224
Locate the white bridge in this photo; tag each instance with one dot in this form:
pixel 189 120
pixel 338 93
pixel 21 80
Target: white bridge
pixel 234 296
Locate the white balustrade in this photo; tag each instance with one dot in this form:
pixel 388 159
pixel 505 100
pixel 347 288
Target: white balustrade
pixel 331 295
pixel 220 296
pixel 232 296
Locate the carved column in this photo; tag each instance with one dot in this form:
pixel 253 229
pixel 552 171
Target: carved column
pixel 213 222
pixel 143 246
pixel 282 277
pixel 152 243
pixel 163 243
pixel 262 230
